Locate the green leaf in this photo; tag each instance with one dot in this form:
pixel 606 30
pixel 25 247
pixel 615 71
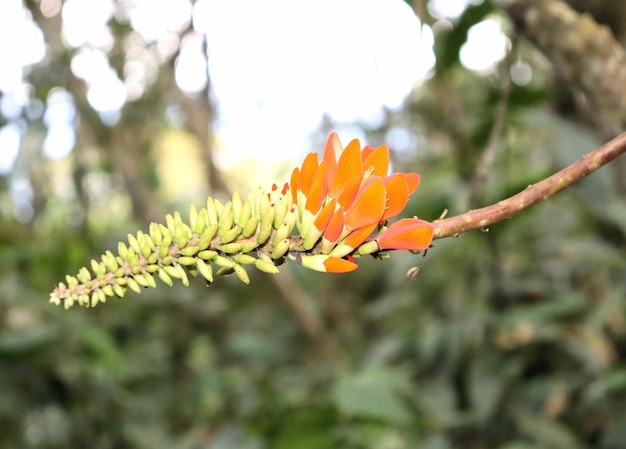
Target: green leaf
pixel 377 393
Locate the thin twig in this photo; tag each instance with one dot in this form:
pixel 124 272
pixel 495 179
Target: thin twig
pixel 533 194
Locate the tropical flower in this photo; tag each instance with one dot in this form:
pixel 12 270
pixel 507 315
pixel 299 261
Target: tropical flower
pixel 344 198
pixel 331 212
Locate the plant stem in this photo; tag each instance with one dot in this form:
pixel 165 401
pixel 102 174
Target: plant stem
pixel 533 194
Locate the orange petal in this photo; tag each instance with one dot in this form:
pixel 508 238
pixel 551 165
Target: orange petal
pixel 331 153
pixel 325 215
pixel 295 184
pixel 409 233
pixel 397 195
pixel 369 204
pixel 307 172
pixel 377 161
pixel 349 192
pixel 366 151
pixel 337 265
pixel 355 238
pixel 350 166
pixel 335 226
pixel 317 193
pixel 412 181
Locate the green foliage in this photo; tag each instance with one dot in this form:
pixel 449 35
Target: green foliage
pixel 511 338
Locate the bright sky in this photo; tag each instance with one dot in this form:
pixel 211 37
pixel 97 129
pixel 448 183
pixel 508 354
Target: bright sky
pixel 277 66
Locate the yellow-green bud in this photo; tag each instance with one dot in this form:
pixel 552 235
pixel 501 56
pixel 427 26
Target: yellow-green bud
pixel 185 260
pixel 244 259
pixel 264 233
pixel 205 270
pixel 207 254
pixel 245 214
pixel 118 290
pixel 226 219
pixel 280 249
pixel 193 216
pixel 232 248
pixel 190 250
pixel 237 206
pixel 211 212
pixel 222 261
pixel 266 266
pixel 133 285
pixel 251 226
pixel 166 278
pixel 155 233
pixel 231 235
pixel 241 273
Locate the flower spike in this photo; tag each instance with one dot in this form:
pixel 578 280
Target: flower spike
pixel 323 219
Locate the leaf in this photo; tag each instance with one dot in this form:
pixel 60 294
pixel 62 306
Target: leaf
pixel 377 393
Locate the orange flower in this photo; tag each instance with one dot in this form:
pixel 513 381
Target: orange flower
pixel 408 233
pixel 344 197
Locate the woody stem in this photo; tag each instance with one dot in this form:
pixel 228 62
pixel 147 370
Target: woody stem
pixel 533 194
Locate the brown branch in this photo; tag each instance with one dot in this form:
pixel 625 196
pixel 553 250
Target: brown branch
pixel 533 194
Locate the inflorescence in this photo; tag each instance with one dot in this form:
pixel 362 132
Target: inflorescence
pixel 331 212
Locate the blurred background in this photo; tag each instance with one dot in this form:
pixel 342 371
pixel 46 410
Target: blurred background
pixel 116 112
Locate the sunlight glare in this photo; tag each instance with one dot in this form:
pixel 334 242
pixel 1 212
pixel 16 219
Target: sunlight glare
pixel 486 45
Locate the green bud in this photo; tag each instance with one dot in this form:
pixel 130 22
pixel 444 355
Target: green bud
pixel 368 247
pixel 248 245
pixel 153 258
pixel 241 273
pixel 118 290
pixel 155 233
pixel 145 248
pixel 245 214
pixel 184 260
pixel 168 236
pixel 181 235
pixel 264 233
pixel 282 205
pixel 251 226
pixel 281 233
pixel 211 212
pixel 237 206
pixel 244 259
pixel 141 279
pixel 134 244
pixel 190 250
pixel 108 290
pixel 207 254
pixel 219 208
pixel 281 249
pixel 182 275
pixel 165 277
pixel 150 280
pixel 201 222
pixel 265 266
pixel 232 248
pixel 231 235
pixel 312 237
pixel 84 276
pixel 222 261
pixel 226 219
pixel 205 269
pixel 225 271
pixel 133 285
pixel 193 216
pixel 169 222
pixel 122 250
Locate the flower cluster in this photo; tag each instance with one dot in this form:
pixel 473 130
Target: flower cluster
pixel 331 212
